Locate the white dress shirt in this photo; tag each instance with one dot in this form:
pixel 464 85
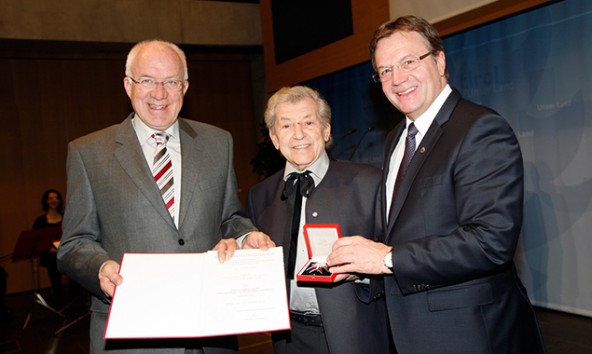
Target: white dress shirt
pixel 422 123
pixel 173 145
pixel 304 299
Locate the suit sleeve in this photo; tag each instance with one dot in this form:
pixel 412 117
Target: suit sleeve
pixel 251 208
pixel 234 220
pixel 467 208
pixel 80 254
pixel 375 288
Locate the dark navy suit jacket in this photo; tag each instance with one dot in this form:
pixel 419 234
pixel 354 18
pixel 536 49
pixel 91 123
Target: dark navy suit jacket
pixel 454 226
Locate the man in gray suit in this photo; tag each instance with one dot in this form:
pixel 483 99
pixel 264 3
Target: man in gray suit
pixel 119 201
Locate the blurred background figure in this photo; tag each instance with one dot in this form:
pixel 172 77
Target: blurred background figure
pixel 53 209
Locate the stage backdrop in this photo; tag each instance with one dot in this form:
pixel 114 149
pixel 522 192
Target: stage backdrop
pixel 536 70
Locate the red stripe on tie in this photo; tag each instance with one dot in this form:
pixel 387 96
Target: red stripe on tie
pixel 163 170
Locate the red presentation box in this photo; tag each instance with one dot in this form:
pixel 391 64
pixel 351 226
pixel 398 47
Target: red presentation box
pixel 319 242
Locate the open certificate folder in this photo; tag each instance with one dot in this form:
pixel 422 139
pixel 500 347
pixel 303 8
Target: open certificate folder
pixel 180 295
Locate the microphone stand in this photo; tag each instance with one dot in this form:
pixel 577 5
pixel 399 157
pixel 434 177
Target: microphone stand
pixel 338 140
pixel 30 245
pixel 360 142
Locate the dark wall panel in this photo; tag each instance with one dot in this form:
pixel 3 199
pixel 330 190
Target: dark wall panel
pixel 297 30
pixel 51 96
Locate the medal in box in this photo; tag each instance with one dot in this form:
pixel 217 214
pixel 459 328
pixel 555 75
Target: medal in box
pixel 319 242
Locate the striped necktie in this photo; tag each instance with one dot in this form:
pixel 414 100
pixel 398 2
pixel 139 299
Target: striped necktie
pixel 162 170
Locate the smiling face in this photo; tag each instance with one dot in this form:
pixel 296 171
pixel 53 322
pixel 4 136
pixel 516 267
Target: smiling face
pixel 158 107
pixel 53 200
pixel 414 91
pixel 299 133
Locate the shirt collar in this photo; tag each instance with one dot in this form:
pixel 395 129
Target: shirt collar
pixel 423 122
pixel 318 168
pixel 144 132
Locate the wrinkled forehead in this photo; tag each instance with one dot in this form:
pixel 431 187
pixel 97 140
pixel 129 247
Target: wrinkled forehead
pixel 305 108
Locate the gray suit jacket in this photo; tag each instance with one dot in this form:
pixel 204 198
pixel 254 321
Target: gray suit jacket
pixel 114 205
pixel 354 321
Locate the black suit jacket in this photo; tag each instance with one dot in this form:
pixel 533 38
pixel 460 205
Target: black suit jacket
pixel 454 226
pixel 347 195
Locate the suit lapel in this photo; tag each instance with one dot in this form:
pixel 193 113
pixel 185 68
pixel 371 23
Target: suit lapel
pixel 428 143
pixel 272 213
pixel 391 142
pixel 192 167
pixel 132 161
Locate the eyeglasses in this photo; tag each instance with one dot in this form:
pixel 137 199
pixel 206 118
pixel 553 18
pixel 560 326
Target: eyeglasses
pixel 406 64
pixel 150 84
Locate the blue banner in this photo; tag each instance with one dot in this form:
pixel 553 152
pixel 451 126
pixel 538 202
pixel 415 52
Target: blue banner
pixel 535 69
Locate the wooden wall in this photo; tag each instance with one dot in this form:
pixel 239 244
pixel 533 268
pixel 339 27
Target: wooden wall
pixel 353 50
pixel 52 93
pixel 344 53
pixel 220 23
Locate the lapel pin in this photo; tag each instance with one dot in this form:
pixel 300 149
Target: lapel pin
pixel 422 149
pixel 315 214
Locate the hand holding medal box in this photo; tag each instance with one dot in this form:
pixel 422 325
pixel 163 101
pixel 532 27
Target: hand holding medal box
pixel 319 242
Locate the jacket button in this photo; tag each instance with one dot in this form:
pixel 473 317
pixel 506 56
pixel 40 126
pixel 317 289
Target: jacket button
pixel 181 241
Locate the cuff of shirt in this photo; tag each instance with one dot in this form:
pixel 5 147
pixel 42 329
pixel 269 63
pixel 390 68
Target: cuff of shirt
pixel 241 239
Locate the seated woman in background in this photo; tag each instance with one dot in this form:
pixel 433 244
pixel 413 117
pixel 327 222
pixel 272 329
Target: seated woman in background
pixel 53 210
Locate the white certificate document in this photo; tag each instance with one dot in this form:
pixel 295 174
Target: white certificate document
pixel 181 295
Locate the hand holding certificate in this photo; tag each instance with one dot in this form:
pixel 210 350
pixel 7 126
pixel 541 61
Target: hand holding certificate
pixel 181 295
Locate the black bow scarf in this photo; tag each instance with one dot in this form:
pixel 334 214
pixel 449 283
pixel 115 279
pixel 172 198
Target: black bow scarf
pixel 297 186
pixel 298 181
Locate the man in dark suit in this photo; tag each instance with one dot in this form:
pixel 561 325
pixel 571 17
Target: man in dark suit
pixel 118 202
pixel 452 219
pixel 325 317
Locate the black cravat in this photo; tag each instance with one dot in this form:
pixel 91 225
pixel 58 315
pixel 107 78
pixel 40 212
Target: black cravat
pixel 297 186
